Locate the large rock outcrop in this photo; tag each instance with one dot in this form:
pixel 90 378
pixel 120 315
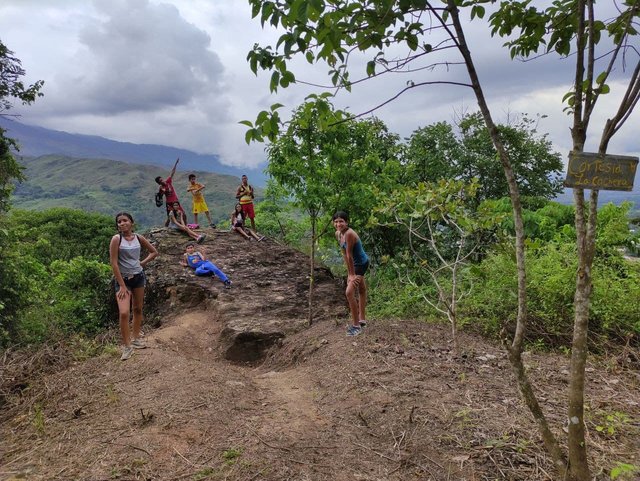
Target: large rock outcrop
pixel 268 299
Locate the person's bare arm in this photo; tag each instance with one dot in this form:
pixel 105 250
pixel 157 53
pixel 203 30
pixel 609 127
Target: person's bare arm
pixel 113 260
pixel 153 253
pixel 183 261
pixel 350 239
pixel 173 171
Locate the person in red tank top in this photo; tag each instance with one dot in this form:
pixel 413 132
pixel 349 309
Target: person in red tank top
pixel 169 193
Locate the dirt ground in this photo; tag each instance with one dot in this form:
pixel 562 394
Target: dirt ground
pixel 391 404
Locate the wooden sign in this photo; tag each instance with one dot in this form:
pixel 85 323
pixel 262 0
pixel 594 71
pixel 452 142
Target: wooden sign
pixel 600 171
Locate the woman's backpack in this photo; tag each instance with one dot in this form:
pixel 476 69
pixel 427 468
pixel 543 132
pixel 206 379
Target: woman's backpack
pixel 159 199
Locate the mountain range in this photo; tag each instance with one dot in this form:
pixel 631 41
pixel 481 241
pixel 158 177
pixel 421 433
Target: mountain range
pixel 110 186
pixel 37 141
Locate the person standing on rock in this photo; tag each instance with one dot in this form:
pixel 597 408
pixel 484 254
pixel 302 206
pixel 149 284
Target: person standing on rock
pixel 245 196
pixel 357 262
pixel 199 204
pixel 128 271
pixel 166 189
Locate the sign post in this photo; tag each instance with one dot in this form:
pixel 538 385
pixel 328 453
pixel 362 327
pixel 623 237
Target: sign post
pixel 601 171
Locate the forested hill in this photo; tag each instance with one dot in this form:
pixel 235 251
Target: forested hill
pixel 37 141
pixel 108 186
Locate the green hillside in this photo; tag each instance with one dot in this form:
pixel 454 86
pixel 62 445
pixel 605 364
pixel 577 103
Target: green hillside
pixel 108 186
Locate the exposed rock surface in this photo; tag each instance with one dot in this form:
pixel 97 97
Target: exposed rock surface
pixel 257 312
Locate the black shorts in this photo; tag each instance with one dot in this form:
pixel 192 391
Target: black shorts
pixel 132 282
pixel 361 269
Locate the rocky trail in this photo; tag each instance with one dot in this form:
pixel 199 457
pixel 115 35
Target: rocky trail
pixel 236 386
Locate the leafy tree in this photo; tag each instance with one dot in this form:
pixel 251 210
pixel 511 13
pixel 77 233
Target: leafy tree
pixel 329 167
pixel 308 160
pixel 11 88
pixel 438 152
pixel 572 29
pixel 441 231
pixel 433 152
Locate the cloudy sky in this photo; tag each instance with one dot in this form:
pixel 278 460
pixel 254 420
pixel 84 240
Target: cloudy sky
pixel 174 72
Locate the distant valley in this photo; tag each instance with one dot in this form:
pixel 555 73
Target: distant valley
pixel 108 186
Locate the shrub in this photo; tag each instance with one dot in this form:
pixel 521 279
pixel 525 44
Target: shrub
pixel 551 270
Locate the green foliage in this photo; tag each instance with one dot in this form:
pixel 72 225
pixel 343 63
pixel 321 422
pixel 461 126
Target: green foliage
pixel 231 455
pixel 280 219
pixel 438 152
pixel 333 166
pixel 307 159
pixel 80 295
pixel 391 297
pixel 55 274
pixel 624 471
pixel 323 31
pixel 555 27
pixel 610 424
pixel 442 230
pixel 10 170
pixel 551 268
pixel 62 233
pixel 11 88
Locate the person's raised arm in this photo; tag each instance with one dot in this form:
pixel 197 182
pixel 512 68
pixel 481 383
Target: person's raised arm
pixel 152 251
pixel 173 171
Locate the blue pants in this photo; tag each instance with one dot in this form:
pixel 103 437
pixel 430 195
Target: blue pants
pixel 207 267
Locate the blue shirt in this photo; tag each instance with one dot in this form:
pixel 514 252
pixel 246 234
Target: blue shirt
pixel 360 257
pixel 194 260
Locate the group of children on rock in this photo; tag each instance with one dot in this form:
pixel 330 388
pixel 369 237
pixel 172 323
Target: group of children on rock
pixel 128 269
pixel 177 217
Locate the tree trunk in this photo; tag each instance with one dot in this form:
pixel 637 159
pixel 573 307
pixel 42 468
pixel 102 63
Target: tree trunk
pixel 311 267
pixel 515 350
pixel 585 232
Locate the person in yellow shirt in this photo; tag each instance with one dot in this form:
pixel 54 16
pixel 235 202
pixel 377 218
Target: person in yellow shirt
pixel 199 204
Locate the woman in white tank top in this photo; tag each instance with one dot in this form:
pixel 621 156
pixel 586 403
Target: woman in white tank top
pixel 128 271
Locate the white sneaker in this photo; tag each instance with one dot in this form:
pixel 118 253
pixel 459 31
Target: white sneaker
pixel 139 344
pixel 127 352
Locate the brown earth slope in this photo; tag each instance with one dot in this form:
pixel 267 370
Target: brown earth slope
pixel 235 386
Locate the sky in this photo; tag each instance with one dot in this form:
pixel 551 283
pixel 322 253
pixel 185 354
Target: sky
pixel 174 72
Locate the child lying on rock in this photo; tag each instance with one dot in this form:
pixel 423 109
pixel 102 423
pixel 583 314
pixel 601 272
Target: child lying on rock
pixel 198 260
